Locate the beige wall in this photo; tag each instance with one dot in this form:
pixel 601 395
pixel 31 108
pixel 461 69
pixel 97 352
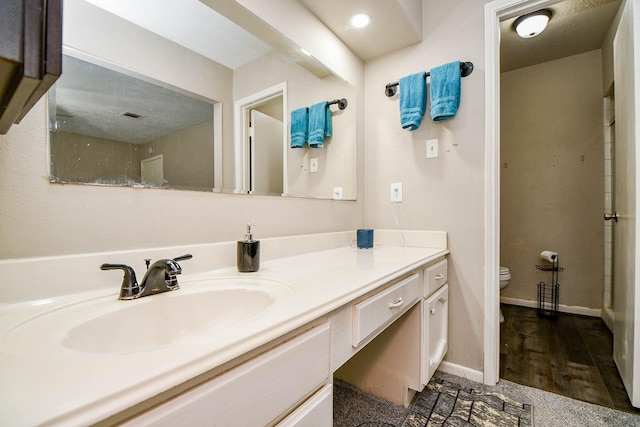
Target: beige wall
pixel 38 218
pixel 81 158
pixel 552 177
pixel 446 193
pixel 188 157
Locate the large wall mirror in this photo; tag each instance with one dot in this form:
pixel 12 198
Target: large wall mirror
pixel 183 98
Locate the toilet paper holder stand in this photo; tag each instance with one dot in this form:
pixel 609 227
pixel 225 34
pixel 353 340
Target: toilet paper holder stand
pixel 548 293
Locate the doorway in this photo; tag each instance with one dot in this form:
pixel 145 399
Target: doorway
pixel 266 150
pixel 152 171
pixel 261 129
pixel 494 13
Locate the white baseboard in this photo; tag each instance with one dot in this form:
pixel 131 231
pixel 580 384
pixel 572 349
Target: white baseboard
pixel 462 371
pixel 608 316
pixel 571 309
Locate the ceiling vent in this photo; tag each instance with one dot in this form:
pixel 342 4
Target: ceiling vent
pixel 130 115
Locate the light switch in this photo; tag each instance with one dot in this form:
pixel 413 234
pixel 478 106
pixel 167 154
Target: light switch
pixel 432 148
pixel 313 165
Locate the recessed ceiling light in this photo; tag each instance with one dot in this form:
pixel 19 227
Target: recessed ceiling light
pixel 532 24
pixel 360 20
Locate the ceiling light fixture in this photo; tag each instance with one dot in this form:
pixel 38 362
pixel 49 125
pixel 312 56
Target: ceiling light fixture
pixel 532 24
pixel 360 20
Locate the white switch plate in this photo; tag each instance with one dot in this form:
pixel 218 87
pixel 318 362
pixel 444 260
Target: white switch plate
pixel 337 193
pixel 432 148
pixel 313 165
pixel 396 192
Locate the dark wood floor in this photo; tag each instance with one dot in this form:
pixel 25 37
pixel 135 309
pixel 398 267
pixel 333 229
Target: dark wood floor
pixel 569 355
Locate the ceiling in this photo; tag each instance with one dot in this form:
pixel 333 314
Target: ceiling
pixel 577 26
pixel 87 94
pixel 394 23
pixel 191 24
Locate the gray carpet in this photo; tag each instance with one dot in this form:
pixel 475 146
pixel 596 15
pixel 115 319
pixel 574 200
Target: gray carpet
pixel 450 400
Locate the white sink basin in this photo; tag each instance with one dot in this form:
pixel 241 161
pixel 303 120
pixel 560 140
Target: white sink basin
pixel 109 326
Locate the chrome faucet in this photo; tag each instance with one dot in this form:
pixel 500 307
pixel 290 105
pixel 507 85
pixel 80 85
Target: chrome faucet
pixel 159 277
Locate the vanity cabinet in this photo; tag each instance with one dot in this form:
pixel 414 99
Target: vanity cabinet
pixel 410 343
pixel 289 385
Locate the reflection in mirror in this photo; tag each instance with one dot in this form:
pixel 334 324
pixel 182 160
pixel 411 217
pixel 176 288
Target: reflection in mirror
pixel 110 128
pixel 261 81
pixel 178 54
pixel 266 147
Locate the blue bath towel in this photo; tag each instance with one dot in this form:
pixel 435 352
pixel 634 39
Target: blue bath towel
pixel 299 127
pixel 319 124
pixel 445 91
pixel 413 100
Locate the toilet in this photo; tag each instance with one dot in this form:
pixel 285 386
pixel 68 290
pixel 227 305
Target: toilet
pixel 505 278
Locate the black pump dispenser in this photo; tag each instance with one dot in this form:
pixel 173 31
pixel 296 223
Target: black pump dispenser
pixel 248 256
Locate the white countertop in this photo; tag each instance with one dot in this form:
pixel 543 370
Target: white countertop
pixel 46 383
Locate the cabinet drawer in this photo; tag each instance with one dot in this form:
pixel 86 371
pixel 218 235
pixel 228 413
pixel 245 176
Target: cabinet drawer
pixel 384 307
pixel 256 393
pixel 434 277
pixel 317 411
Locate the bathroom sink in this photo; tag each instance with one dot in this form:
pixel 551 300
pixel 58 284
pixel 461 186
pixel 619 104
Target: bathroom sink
pixel 108 326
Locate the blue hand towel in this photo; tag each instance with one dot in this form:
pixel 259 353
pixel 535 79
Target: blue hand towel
pixel 328 126
pixel 299 127
pixel 445 91
pixel 319 124
pixel 413 100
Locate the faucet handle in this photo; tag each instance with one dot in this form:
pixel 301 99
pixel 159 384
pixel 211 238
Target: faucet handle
pixel 129 286
pixel 174 268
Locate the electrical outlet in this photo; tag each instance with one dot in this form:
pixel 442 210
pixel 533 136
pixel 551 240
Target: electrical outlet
pixel 337 193
pixel 432 148
pixel 396 192
pixel 313 165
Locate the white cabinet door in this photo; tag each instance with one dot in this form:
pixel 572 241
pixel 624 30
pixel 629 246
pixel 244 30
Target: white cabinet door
pixel 436 323
pixel 256 393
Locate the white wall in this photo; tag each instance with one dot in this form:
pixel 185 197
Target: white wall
pixel 38 218
pixel 446 193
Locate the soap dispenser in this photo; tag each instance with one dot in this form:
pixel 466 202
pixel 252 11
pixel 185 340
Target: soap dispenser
pixel 248 253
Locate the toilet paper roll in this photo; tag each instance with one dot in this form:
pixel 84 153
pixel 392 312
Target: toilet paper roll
pixel 549 255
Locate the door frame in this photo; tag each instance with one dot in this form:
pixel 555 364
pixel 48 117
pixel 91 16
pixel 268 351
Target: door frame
pixel 493 13
pixel 241 113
